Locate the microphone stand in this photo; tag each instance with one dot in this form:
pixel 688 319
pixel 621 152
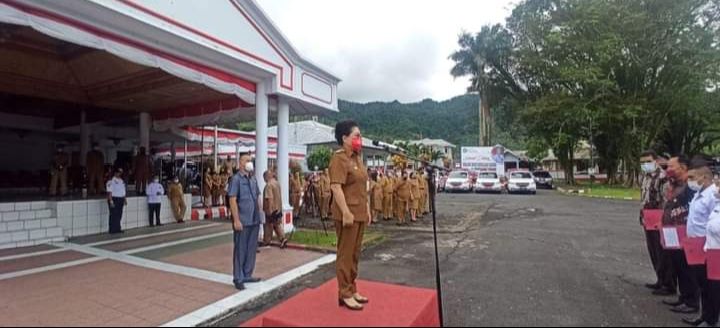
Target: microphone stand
pixel 430 170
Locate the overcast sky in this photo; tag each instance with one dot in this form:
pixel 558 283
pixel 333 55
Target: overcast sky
pixel 385 50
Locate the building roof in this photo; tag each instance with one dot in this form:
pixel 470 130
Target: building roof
pixel 312 133
pixel 432 143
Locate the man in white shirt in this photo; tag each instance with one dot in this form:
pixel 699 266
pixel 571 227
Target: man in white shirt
pixel 711 316
pixel 155 191
pixel 700 180
pixel 116 201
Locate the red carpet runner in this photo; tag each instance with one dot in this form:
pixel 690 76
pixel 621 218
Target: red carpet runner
pixel 390 306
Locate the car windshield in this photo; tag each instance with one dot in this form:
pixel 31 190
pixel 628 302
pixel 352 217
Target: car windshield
pixel 521 175
pixel 542 174
pixel 488 176
pixel 458 175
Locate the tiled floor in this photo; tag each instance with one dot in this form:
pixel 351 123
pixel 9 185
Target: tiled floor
pixel 272 262
pixel 40 261
pixel 102 293
pixel 112 293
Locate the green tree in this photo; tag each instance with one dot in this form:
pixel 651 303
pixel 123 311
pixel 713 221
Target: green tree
pixel 320 158
pixel 486 58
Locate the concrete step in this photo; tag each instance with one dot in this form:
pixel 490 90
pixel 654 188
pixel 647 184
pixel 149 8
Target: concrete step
pixel 26 215
pixel 33 243
pixel 14 226
pixel 30 237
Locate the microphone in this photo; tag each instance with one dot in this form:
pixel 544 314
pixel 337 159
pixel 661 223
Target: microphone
pixel 388 146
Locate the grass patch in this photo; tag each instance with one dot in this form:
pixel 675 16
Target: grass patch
pixel 602 190
pixel 317 238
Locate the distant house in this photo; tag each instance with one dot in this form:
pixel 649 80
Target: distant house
pixel 581 165
pixel 314 134
pixel 446 148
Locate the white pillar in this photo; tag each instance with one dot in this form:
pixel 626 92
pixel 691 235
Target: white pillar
pixel 283 153
pixel 217 149
pixel 145 122
pixel 262 113
pixel 84 139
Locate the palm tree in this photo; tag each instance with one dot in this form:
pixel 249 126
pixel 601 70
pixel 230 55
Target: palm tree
pixel 486 57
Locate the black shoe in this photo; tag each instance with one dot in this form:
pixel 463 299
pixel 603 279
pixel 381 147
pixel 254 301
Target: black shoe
pixel 673 303
pixel 693 321
pixel 653 286
pixel 684 309
pixel 663 292
pixel 252 280
pixel 283 244
pixel 240 287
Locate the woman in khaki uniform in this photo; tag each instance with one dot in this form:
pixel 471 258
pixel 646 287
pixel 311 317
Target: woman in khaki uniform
pixel 388 189
pixel 350 207
pixel 376 194
pixel 295 194
pixel 208 186
pixel 415 199
pixel 403 188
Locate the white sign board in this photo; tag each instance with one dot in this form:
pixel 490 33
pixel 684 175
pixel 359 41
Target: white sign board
pixel 484 159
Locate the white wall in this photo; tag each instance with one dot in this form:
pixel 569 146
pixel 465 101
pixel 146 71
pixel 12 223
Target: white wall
pixel 89 217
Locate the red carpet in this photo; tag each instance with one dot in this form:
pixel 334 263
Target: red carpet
pixel 390 306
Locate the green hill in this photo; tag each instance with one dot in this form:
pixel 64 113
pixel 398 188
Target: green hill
pixel 455 120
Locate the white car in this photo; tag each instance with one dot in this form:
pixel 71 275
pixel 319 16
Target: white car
pixel 488 182
pixel 459 181
pixel 522 182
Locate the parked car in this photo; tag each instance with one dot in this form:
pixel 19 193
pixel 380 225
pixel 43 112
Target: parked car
pixel 459 181
pixel 522 182
pixel 488 182
pixel 544 179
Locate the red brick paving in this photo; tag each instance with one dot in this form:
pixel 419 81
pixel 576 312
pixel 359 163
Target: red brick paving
pixel 270 262
pixel 104 293
pixel 40 261
pixel 25 250
pixel 150 240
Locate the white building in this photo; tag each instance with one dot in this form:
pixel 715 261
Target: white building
pixel 446 148
pixel 314 134
pixel 124 73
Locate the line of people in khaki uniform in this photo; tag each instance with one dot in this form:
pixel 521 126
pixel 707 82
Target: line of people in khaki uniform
pixel 399 195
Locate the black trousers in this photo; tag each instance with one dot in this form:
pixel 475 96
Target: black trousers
pixel 712 314
pixel 116 213
pixel 666 269
pixel 687 281
pixel 709 294
pixel 653 240
pixel 154 211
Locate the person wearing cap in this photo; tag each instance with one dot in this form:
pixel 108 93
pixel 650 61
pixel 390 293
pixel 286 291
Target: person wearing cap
pixel 117 193
pixel 59 172
pixel 155 191
pixel 177 200
pixel 272 206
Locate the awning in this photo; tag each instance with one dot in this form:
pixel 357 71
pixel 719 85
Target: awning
pixel 225 136
pixel 225 150
pixel 241 92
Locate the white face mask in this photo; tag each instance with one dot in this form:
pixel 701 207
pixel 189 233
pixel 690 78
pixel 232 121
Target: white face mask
pixel 649 167
pixel 249 167
pixel 694 185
